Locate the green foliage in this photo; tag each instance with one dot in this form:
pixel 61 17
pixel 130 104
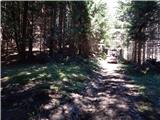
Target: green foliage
pixel 62 26
pixel 99 20
pixel 137 15
pixel 137 19
pixel 103 55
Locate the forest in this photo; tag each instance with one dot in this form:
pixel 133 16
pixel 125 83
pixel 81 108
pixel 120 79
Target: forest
pixel 80 60
pixel 55 28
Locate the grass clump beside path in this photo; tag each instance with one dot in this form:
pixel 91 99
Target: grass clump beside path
pixel 149 87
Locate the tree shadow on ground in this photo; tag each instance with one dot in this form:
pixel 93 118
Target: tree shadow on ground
pixel 33 91
pixel 107 98
pixel 71 91
pixel 148 85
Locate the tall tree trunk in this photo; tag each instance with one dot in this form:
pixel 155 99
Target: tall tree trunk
pixel 60 26
pixel 152 49
pixel 31 39
pixel 53 27
pixel 45 22
pixel 23 39
pixel 139 52
pixel 16 36
pixel 64 27
pixel 51 38
pixel 144 51
pixel 135 52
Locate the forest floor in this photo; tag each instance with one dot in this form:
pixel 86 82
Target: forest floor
pixel 83 91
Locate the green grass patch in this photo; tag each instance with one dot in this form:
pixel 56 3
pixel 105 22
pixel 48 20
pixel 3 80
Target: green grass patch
pixel 66 76
pixel 149 87
pixel 149 82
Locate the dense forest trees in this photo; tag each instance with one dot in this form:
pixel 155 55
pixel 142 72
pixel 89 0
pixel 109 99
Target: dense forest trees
pixel 63 29
pixel 56 28
pixel 141 20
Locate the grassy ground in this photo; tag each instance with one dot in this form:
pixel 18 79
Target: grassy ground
pixel 70 72
pixel 27 88
pixel 28 84
pixel 149 86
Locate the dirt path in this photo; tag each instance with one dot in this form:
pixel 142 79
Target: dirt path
pixel 109 96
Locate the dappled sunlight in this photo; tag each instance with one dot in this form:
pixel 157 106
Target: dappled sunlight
pixel 110 95
pixel 5 78
pixel 80 60
pixel 108 67
pixel 147 86
pixel 105 100
pixel 55 81
pixel 40 68
pixel 23 73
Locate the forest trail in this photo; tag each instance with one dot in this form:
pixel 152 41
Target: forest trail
pixel 109 96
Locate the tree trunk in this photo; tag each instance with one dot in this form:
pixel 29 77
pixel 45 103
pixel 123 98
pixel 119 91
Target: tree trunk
pixel 44 31
pixel 53 27
pixel 23 39
pixel 139 52
pixel 64 28
pixel 144 51
pixel 31 39
pixel 135 52
pixel 16 36
pixel 60 26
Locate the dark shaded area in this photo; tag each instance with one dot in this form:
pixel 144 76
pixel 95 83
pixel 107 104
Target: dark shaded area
pixel 27 88
pixel 150 66
pixel 59 29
